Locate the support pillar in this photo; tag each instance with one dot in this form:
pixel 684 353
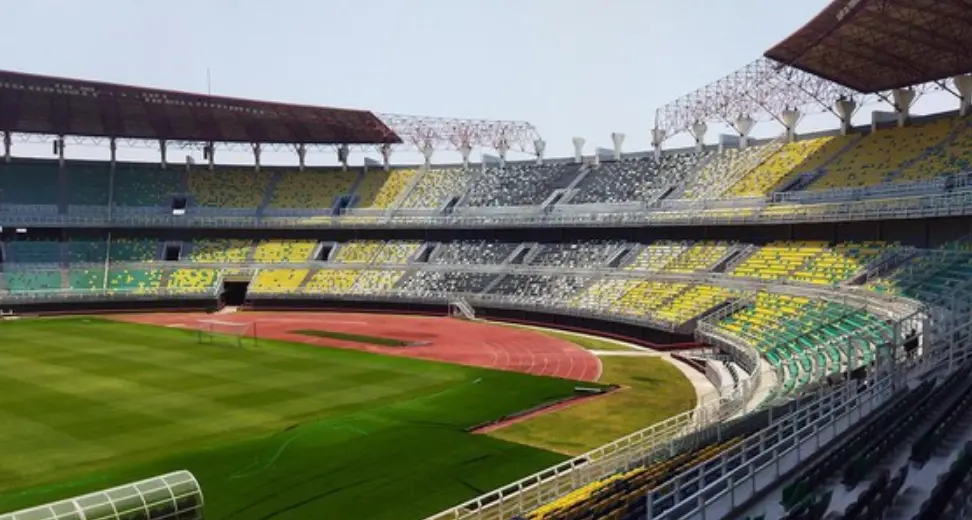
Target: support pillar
pixel 539 146
pixel 211 155
pixel 618 139
pixel 790 119
pixel 301 156
pixel 7 145
pixel 113 151
pixel 501 148
pixel 657 138
pixel 963 84
pixel 256 157
pixel 845 110
pixel 59 149
pixel 342 153
pixel 698 132
pixel 465 149
pixel 163 151
pixel 427 151
pixel 903 98
pixel 578 149
pixel 386 151
pixel 744 125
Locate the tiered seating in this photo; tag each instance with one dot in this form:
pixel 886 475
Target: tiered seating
pixel 220 250
pixel 332 281
pixel 574 255
pixel 928 275
pixel 793 158
pixel 520 184
pixel 875 158
pixel 311 190
pixel 17 281
pixel 838 263
pixel 86 251
pixel 472 252
pixel 283 251
pixel 438 283
pixel 778 260
pixel 87 279
pixel 358 251
pixel 949 499
pixel 138 281
pixel 641 298
pixel 373 281
pixel 654 257
pixel 193 280
pixel 89 183
pixel 396 252
pixel 701 256
pixel 693 302
pixel 807 337
pixel 952 157
pixel 600 295
pixel 134 250
pixel 636 179
pixel 32 252
pixel 228 188
pixel 278 281
pixel 539 288
pixel 33 182
pixel 379 189
pixel 728 164
pixel 436 186
pixel 145 185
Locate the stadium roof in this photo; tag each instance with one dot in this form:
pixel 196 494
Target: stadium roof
pixel 874 45
pixel 60 106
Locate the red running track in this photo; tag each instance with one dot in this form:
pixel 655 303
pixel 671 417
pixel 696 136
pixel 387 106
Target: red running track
pixel 448 339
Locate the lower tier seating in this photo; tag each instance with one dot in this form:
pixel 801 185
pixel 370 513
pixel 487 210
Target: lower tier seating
pixel 332 281
pixel 192 280
pixel 278 281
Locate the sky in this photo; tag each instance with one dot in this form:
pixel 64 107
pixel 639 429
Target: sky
pixel 570 67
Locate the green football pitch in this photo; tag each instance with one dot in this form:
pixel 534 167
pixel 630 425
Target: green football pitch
pixel 276 431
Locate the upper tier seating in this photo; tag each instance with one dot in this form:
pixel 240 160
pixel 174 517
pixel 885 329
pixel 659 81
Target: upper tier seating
pixel 693 302
pixel 539 288
pixel 278 281
pixel 711 179
pixel 793 158
pixel 575 255
pixel 778 260
pixel 134 250
pixel 220 250
pixel 436 186
pixel 520 184
pixel 839 263
pixel 472 252
pixel 438 283
pixel 228 188
pixel 700 256
pixel 373 281
pixel 601 294
pixel 283 251
pixel 18 281
pixel 874 159
pixel 32 252
pixel 632 180
pixel 146 185
pixel 396 252
pixel 654 257
pixel 185 281
pixel 641 298
pixel 952 157
pixel 379 189
pixel 311 190
pixel 357 251
pixel 332 281
pixel 88 183
pixel 29 183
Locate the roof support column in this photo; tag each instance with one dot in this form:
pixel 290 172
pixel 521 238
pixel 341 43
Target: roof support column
pixel 343 152
pixel 301 156
pixel 903 98
pixel 113 151
pixel 59 150
pixel 539 146
pixel 210 153
pixel 465 149
pixel 578 149
pixel 7 144
pixel 744 125
pixel 427 151
pixel 502 147
pixel 256 157
pixel 657 137
pixel 963 84
pixel 790 119
pixel 386 152
pixel 618 139
pixel 698 132
pixel 845 110
pixel 163 148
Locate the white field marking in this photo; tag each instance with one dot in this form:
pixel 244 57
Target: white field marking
pixel 176 325
pixel 307 321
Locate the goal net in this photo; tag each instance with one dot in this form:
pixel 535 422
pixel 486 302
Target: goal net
pixel 230 333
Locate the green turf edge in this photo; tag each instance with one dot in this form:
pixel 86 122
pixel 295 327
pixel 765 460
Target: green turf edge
pixel 432 465
pixel 356 338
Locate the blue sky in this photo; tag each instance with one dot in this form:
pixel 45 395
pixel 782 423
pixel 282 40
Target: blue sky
pixel 569 67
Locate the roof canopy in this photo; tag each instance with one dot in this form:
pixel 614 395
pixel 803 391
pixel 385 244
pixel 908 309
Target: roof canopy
pixel 874 45
pixel 59 106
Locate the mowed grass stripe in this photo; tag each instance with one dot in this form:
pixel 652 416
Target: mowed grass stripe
pixel 281 432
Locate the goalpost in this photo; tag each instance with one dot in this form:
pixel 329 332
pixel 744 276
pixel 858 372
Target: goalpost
pixel 216 332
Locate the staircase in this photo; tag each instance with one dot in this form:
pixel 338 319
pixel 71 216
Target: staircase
pixel 268 192
pixel 463 309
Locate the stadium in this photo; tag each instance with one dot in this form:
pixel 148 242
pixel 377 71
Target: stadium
pixel 756 328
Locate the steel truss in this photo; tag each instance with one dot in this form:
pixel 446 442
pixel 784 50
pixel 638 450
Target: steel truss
pixel 763 90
